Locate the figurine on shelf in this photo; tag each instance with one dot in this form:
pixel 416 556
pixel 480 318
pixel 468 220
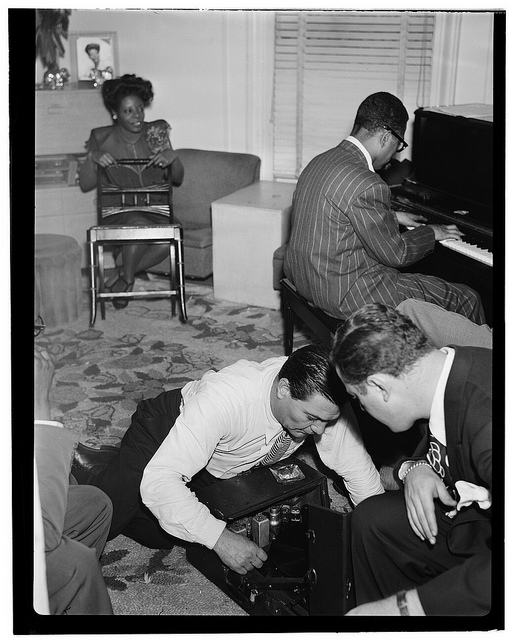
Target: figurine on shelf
pixel 99 77
pixel 54 79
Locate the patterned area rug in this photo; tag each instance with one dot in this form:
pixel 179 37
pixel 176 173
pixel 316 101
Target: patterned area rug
pixel 145 581
pixel 136 353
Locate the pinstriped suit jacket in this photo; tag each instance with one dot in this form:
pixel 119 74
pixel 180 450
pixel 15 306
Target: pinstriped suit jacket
pixel 345 245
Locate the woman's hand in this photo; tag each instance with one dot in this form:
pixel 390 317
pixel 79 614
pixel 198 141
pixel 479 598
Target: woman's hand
pixel 103 159
pixel 162 159
pixel 422 488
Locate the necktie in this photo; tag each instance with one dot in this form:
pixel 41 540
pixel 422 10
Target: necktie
pixel 278 449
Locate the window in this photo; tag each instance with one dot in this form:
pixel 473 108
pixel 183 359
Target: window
pixel 327 62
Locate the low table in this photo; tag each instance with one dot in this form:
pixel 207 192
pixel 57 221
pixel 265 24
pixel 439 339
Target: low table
pixel 247 227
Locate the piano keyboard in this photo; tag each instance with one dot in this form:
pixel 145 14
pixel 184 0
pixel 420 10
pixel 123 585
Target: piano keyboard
pixel 480 245
pixel 470 250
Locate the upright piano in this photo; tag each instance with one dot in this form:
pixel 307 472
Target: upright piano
pixel 451 182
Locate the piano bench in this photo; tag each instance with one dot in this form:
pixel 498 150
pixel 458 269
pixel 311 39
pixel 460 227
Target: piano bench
pixel 293 304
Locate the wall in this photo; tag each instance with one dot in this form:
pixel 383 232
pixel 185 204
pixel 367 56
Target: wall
pixel 462 68
pixel 212 71
pixel 474 81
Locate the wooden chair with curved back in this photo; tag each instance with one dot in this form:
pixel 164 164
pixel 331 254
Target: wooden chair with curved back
pixel 112 200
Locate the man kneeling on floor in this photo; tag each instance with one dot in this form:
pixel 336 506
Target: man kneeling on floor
pixel 228 422
pixel 425 550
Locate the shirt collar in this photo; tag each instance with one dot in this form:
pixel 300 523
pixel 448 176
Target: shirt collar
pixel 437 413
pixel 360 146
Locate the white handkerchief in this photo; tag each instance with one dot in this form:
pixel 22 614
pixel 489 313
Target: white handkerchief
pixel 469 493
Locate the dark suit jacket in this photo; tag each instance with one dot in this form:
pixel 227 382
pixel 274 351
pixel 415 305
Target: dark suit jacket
pixel 468 417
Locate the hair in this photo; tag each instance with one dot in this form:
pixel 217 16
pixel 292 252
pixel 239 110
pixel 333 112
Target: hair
pixel 310 371
pixel 377 339
pixel 114 91
pixel 379 110
pixel 92 45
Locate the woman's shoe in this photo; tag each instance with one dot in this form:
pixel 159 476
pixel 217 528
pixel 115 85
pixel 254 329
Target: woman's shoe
pixel 121 303
pixel 109 287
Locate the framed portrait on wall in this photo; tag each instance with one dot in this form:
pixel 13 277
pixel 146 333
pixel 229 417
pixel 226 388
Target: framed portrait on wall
pixel 94 58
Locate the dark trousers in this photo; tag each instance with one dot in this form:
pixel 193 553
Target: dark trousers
pixel 387 557
pixel 121 480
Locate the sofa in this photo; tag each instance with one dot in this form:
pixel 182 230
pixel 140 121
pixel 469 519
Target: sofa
pixel 208 176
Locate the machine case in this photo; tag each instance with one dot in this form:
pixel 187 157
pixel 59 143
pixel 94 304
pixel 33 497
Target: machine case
pixel 308 571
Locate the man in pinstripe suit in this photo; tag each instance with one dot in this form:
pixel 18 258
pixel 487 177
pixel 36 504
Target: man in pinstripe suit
pixel 346 245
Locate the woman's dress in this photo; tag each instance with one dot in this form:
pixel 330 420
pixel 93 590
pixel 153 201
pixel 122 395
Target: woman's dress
pixel 155 137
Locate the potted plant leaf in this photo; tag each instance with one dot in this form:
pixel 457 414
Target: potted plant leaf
pixel 52 25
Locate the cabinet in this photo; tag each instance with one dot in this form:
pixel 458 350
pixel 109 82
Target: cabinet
pixel 63 121
pixel 247 227
pixel 308 571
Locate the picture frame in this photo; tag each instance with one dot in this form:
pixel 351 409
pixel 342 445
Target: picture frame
pixel 94 57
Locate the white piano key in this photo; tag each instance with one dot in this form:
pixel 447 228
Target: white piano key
pixel 476 253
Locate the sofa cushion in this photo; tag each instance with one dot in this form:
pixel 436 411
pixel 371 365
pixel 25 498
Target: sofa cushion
pixel 208 176
pixel 200 237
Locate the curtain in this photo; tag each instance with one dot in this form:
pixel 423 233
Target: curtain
pixel 327 62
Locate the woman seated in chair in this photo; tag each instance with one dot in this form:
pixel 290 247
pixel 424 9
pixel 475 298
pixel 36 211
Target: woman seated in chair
pixel 131 137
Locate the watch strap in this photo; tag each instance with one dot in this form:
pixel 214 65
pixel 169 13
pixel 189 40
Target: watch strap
pixel 402 603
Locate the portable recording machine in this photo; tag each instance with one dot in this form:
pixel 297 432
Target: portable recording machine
pixel 285 509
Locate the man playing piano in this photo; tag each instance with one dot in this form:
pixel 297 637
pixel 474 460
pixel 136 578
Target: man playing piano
pixel 345 245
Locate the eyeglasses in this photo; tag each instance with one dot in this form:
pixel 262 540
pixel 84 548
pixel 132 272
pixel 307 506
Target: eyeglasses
pixel 403 145
pixel 39 326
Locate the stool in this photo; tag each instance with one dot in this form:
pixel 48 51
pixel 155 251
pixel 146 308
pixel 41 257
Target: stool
pixel 323 325
pixel 170 234
pixel 58 285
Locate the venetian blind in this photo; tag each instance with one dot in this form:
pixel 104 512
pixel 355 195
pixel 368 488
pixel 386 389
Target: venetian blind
pixel 326 63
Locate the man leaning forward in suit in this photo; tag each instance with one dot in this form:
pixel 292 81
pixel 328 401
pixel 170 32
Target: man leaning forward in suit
pixel 345 247
pixel 425 550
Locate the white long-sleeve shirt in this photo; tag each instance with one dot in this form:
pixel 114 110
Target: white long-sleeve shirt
pixel 226 426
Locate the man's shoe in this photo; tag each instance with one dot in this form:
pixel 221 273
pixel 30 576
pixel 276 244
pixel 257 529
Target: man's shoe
pixel 89 462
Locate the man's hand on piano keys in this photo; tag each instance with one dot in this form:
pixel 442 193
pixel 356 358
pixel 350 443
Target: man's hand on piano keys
pixel 446 232
pixel 411 220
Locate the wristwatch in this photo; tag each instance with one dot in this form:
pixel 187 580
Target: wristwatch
pixel 402 604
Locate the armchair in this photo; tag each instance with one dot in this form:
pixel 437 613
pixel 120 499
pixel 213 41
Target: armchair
pixel 209 175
